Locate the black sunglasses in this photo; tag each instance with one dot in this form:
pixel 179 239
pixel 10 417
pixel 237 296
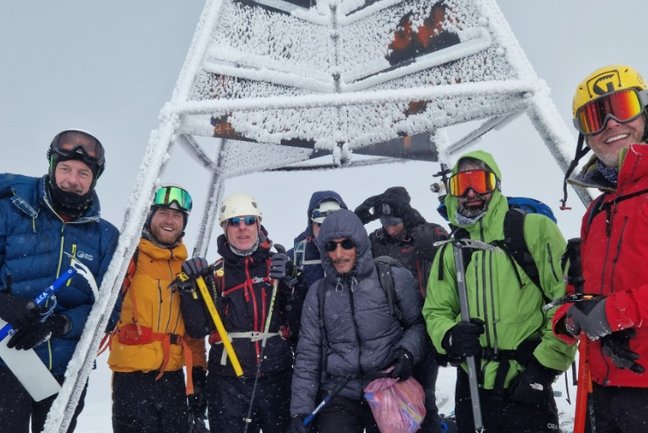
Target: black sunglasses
pixel 347 244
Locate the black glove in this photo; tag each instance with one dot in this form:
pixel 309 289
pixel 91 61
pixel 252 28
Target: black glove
pixel 533 385
pixel 462 340
pixel 282 268
pixel 297 424
pixel 36 333
pixel 367 211
pixel 197 402
pixel 20 312
pixel 403 363
pixel 589 317
pixel 616 346
pixel 196 267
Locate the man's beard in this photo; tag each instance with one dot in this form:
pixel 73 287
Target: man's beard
pixel 472 211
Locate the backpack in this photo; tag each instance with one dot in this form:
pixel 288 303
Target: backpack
pixel 514 243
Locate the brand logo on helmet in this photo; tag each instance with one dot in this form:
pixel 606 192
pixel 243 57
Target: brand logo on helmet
pixel 604 83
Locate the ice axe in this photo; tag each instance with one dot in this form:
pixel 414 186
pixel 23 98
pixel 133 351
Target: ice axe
pixel 458 245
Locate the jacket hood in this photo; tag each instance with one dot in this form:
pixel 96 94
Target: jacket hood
pixel 345 224
pixel 315 200
pixel 497 199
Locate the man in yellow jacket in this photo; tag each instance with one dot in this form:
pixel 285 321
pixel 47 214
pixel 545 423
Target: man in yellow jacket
pixel 149 347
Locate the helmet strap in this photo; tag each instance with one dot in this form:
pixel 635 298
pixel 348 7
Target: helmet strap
pixel 581 151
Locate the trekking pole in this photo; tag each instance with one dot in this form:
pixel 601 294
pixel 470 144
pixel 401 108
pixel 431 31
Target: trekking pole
pixel 329 395
pixel 458 245
pixel 266 329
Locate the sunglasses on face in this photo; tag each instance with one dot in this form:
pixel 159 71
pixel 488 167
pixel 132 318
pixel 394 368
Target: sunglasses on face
pixel 346 244
pixel 623 106
pixel 248 220
pixel 480 181
pixel 168 195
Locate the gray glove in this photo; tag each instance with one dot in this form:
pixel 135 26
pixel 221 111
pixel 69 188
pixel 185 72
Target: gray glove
pixel 588 317
pixel 196 267
pixel 282 268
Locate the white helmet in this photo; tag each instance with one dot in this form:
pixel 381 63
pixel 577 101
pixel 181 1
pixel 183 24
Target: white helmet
pixel 238 205
pixel 325 208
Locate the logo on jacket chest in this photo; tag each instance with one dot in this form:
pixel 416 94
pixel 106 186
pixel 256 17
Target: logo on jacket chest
pixel 85 256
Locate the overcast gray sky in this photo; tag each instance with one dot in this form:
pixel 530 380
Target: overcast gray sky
pixel 108 67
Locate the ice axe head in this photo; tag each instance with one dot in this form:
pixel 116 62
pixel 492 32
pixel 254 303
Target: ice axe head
pixel 466 243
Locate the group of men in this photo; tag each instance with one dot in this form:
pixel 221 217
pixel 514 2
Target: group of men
pixel 287 330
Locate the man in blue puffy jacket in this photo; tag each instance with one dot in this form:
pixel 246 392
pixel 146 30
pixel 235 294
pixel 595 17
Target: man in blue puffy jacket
pixel 44 222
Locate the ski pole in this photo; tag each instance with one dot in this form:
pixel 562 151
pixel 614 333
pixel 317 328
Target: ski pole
pixel 42 298
pixel 329 395
pixel 213 312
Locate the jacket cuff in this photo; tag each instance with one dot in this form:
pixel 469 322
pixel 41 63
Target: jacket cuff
pixel 558 325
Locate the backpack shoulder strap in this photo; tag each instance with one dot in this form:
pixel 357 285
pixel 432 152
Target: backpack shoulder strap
pixel 516 246
pixel 321 296
pixel 384 266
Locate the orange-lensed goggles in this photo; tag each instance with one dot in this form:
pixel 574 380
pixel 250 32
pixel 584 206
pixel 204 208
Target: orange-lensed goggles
pixel 480 181
pixel 622 106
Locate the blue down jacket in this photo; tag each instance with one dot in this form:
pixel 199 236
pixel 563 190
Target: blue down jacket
pixel 34 248
pixel 361 333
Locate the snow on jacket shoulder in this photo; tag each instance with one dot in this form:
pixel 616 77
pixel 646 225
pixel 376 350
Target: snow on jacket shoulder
pixel 361 333
pixel 34 243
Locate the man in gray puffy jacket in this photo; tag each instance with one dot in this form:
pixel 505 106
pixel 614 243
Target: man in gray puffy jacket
pixel 348 333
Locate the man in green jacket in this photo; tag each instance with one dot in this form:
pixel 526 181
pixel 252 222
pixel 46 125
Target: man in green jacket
pixel 517 355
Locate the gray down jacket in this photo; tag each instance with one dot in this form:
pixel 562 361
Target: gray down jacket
pixel 360 331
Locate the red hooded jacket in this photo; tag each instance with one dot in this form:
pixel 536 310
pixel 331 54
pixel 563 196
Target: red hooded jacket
pixel 614 254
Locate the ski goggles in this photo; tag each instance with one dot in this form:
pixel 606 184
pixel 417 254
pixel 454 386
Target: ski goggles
pixel 480 181
pixel 623 106
pixel 248 220
pixel 316 214
pixel 71 144
pixel 169 196
pixel 346 244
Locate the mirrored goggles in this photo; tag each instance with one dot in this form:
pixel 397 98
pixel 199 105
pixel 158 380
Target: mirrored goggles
pixel 480 181
pixel 169 196
pixel 622 106
pixel 346 244
pixel 248 220
pixel 78 143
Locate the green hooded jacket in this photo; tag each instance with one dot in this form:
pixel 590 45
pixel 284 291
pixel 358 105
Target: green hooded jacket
pixel 512 312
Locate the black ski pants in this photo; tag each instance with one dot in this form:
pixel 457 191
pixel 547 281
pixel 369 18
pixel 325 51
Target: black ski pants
pixel 500 414
pixel 17 407
pixel 228 402
pixel 619 410
pixel 342 415
pixel 142 404
pixel 426 372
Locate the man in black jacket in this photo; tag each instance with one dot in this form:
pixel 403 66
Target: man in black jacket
pixel 407 237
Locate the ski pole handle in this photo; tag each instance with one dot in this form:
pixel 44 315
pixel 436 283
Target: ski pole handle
pixel 43 296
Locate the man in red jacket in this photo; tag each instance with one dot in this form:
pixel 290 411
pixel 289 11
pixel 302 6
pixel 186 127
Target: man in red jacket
pixel 610 113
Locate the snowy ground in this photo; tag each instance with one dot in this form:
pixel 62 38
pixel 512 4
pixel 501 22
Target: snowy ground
pixel 96 415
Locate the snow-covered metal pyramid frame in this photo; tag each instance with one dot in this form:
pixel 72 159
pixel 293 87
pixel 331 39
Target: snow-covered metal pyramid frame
pixel 268 84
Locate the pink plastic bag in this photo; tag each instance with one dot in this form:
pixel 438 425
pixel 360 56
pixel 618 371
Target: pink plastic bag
pixel 398 407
